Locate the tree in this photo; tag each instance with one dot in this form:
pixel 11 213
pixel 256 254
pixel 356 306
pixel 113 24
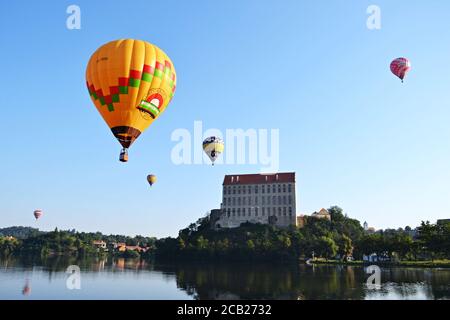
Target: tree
pixel 250 245
pixel 181 244
pixel 428 236
pixel 400 243
pixel 326 247
pixel 336 214
pixel 346 247
pixel 202 243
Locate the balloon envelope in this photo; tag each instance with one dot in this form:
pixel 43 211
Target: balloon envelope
pixel 213 147
pixel 130 82
pixel 151 179
pixel 37 214
pixel 400 67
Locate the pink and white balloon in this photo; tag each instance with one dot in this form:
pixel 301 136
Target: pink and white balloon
pixel 37 213
pixel 400 67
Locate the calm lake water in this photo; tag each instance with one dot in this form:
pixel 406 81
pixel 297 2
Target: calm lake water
pixel 134 279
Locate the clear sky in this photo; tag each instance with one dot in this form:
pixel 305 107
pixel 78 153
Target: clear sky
pixel 355 136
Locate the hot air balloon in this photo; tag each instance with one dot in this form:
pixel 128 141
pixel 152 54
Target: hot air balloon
pixel 151 178
pixel 37 213
pixel 213 147
pixel 400 67
pixel 131 82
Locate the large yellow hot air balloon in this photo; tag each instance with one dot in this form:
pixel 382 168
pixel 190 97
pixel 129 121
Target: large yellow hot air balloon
pixel 131 82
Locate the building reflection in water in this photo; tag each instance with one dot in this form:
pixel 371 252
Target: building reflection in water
pixel 246 281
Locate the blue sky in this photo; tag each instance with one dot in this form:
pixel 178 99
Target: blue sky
pixel 355 136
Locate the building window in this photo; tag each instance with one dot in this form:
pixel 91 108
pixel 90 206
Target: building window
pixel 274 200
pixel 284 200
pixel 284 188
pixel 243 189
pixel 234 190
pixel 239 212
pixel 234 201
pixel 279 200
pixel 256 211
pixel 233 212
pixel 239 201
pixel 228 213
pixel 268 199
pixel 249 189
pixel 263 200
pixel 279 211
pixel 284 211
pixel 274 189
pixel 256 200
pixel 243 201
pixel 263 189
pixel 239 190
pixel 256 189
pixel 290 188
pixel 263 211
pixel 290 211
pixel 250 201
pixel 279 188
pixel 243 211
pixel 290 199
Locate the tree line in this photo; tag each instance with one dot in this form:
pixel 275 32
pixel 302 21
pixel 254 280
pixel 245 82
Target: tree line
pixel 63 242
pixel 340 238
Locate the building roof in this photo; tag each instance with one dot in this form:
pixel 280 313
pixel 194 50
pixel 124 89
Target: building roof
pixel 322 211
pixel 239 179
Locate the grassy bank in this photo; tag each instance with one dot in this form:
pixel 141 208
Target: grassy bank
pixel 445 263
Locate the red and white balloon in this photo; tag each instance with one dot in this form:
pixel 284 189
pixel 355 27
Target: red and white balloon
pixel 400 67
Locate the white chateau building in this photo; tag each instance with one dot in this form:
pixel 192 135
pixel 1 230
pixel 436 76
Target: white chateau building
pixel 257 198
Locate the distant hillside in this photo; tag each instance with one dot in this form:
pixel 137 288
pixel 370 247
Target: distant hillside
pixel 19 232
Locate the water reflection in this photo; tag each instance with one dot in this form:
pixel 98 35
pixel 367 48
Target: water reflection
pixel 27 288
pixel 238 281
pixel 107 278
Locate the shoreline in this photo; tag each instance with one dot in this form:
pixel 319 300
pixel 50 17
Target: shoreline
pixel 415 264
